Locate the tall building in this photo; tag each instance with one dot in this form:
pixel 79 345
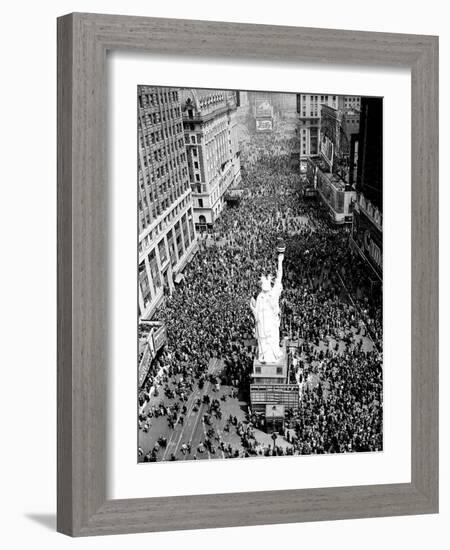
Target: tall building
pixel 367 228
pixel 309 108
pixel 211 137
pixel 241 98
pixel 339 129
pixel 284 103
pixel 351 102
pixel 167 237
pixel 332 128
pixel 369 180
pixel 287 123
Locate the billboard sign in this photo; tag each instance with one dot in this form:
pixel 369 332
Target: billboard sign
pixel 147 358
pixel 263 108
pixel 311 173
pixel 335 198
pixel 159 337
pixel 369 240
pixel 264 125
pixel 327 150
pixel 274 394
pixel 274 411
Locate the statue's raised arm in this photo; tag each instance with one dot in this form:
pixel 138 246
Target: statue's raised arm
pixel 281 247
pixel 279 276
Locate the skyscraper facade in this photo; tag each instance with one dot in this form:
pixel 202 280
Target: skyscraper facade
pixel 167 237
pixel 211 137
pixel 309 108
pixel 367 229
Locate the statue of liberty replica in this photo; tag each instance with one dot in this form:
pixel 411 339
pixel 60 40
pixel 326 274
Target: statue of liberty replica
pixel 266 310
pixel 270 391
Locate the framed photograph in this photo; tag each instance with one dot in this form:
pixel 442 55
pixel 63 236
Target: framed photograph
pixel 247 274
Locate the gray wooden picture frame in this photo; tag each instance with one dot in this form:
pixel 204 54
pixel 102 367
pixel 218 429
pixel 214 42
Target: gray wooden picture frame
pixel 83 41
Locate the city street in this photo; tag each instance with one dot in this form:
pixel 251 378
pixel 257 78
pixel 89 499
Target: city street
pixel 195 403
pixel 193 430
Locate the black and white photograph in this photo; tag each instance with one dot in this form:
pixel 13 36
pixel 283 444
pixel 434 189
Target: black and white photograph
pixel 260 286
pixel 225 241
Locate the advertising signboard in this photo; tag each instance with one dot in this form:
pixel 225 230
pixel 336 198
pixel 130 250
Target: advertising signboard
pixel 327 150
pixel 159 337
pixel 369 241
pixel 147 358
pixel 155 340
pixel 263 108
pixel 311 173
pixel 333 197
pixel 264 125
pixel 274 411
pixel 274 394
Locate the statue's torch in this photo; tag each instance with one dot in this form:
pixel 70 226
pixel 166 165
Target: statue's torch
pixel 281 247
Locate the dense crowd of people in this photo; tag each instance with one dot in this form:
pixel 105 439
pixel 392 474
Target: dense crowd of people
pixel 328 306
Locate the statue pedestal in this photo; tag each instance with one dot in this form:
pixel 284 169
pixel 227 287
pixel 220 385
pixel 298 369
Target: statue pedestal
pixel 271 373
pixel 271 393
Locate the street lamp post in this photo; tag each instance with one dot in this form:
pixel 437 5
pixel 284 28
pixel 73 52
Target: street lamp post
pixel 274 438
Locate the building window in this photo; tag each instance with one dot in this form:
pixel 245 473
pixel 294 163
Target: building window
pixel 154 269
pixel 200 203
pixel 162 251
pixel 279 370
pixel 144 284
